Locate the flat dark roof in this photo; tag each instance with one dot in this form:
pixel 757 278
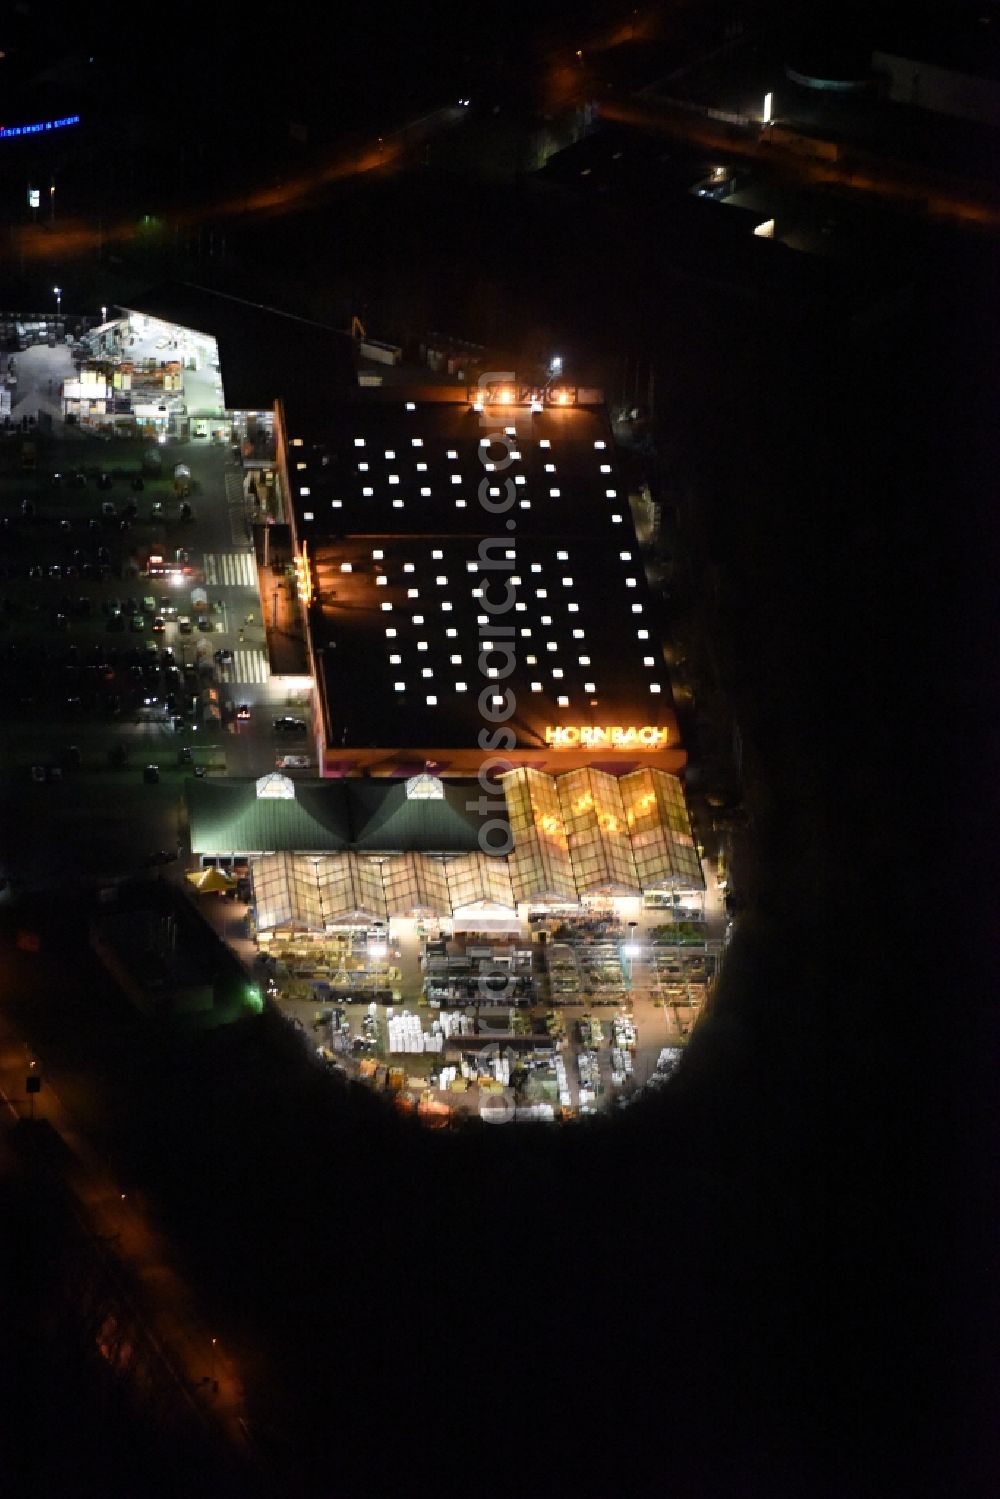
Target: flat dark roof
pixel 393 509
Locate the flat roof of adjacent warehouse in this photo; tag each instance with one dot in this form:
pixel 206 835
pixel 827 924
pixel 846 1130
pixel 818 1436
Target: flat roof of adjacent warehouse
pixel 403 508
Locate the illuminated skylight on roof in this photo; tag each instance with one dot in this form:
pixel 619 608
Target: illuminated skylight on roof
pixel 397 504
pixel 600 444
pixel 359 442
pixel 654 686
pixel 432 701
pixel 393 478
pixel 386 607
pixel 390 452
pixel 563 702
pixel 437 555
pixel 555 493
pixel 362 468
pixel 642 634
pixel 456 478
pixel 452 454
pixel 417 442
pixel 408 567
pixel 544 442
pixel 367 492
pixel 378 554
pixel 425 491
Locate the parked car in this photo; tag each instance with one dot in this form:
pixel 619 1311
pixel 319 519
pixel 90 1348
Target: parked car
pixel 288 725
pixel 151 774
pixel 184 624
pixel 292 762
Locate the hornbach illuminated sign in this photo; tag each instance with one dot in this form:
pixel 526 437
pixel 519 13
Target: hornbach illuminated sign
pixel 616 737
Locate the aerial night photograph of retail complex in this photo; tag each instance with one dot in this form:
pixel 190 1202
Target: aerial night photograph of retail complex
pixel 498 750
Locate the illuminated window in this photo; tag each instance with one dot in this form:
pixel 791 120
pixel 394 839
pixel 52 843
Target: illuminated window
pixel 456 478
pixel 536 567
pixel 345 567
pixel 421 645
pixel 642 634
pixel 390 452
pixel 393 478
pixel 437 555
pixel 397 504
pixel 636 608
pixel 600 444
pixel 536 687
pixel 654 686
pixel 605 468
pixel 546 619
pixel 413 593
pixel 455 660
pixel 378 555
pixel 629 582
pixel 524 504
pixel 557 672
pixel 572 608
pixel 551 645
pixel 367 492
pixel 305 492
pixel 359 442
pixel 584 660
pixel 395 660
pixel 400 686
pixel 563 702
pixel 578 634
pixel 307 515
pixel 427 671
pixel 544 443
pixel 625 556
pixel 555 493
pixel 452 454
pixel 520 479
pixel 362 468
pixel 460 505
pixel 432 702
pixel 446 607
pixel 567 582
pixel 616 520
pixel 589 687
pixel 612 494
pixel 412 406
pixel 550 468
pixel 386 608
pixel 425 491
pixel 450 634
pixel 421 468
pixel 461 687
pixel 417 442
pixel 391 634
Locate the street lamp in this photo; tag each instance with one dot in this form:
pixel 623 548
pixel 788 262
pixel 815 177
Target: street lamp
pixel 58 296
pixel 104 314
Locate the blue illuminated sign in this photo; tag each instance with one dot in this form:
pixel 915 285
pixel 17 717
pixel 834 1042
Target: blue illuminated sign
pixel 11 130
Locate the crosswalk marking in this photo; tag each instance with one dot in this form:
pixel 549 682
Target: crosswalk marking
pixel 250 665
pixel 231 569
